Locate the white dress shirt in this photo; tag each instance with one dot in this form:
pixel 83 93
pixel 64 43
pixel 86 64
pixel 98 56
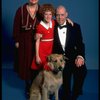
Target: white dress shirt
pixel 62 35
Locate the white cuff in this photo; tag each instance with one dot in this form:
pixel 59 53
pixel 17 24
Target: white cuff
pixel 79 56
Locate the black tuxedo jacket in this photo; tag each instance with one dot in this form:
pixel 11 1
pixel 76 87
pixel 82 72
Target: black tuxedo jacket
pixel 74 42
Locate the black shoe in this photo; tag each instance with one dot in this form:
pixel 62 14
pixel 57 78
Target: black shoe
pixel 74 97
pixel 27 91
pixel 66 98
pixel 27 95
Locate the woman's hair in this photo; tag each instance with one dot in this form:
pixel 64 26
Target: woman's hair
pixel 46 7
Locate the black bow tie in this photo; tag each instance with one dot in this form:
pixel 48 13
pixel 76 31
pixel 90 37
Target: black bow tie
pixel 64 26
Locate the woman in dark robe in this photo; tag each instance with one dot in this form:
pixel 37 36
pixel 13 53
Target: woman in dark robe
pixel 25 21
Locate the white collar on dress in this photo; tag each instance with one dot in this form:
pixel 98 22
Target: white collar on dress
pixel 43 24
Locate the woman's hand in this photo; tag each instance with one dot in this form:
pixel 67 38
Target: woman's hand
pixel 17 44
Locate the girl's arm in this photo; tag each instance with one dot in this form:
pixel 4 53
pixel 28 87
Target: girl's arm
pixel 70 21
pixel 38 37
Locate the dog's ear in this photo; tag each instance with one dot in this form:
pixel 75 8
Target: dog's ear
pixel 49 58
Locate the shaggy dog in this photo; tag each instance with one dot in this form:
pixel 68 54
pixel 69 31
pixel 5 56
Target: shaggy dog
pixel 48 82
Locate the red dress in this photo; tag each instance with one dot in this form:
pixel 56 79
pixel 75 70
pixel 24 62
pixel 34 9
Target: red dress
pixel 45 47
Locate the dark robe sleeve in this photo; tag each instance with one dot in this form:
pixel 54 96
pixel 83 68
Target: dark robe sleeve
pixel 17 25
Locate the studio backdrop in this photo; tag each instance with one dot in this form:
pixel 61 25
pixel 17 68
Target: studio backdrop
pixel 84 12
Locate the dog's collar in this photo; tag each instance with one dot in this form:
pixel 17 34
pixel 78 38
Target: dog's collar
pixel 47 68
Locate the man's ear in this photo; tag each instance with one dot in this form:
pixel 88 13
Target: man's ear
pixel 66 14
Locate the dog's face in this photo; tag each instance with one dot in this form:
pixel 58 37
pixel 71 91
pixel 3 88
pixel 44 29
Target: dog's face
pixel 56 62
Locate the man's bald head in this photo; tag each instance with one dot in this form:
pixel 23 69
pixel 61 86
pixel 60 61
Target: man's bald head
pixel 61 14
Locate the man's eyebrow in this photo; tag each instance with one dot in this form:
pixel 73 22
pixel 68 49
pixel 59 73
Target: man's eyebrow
pixel 59 14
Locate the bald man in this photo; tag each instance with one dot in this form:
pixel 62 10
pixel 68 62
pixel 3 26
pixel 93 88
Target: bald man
pixel 68 41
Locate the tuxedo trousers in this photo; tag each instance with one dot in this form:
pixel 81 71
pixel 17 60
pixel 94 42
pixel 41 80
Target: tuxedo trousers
pixel 73 80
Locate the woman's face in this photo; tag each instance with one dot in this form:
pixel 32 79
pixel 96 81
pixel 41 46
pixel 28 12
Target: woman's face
pixel 33 1
pixel 47 16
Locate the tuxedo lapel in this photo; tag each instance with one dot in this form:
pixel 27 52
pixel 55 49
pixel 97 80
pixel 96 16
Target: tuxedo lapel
pixel 67 37
pixel 68 33
pixel 57 38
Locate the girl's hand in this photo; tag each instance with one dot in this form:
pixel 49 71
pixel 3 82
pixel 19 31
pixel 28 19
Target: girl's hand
pixel 38 60
pixel 70 21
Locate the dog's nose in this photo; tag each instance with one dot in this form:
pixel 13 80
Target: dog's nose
pixel 60 68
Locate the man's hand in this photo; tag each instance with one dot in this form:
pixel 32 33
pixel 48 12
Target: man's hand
pixel 79 61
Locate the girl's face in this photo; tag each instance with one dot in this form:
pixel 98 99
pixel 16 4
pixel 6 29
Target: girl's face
pixel 33 1
pixel 47 16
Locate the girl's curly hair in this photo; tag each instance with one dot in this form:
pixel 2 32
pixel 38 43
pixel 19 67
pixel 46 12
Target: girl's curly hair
pixel 46 7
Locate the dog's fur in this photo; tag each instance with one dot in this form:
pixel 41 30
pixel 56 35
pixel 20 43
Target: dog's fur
pixel 48 82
